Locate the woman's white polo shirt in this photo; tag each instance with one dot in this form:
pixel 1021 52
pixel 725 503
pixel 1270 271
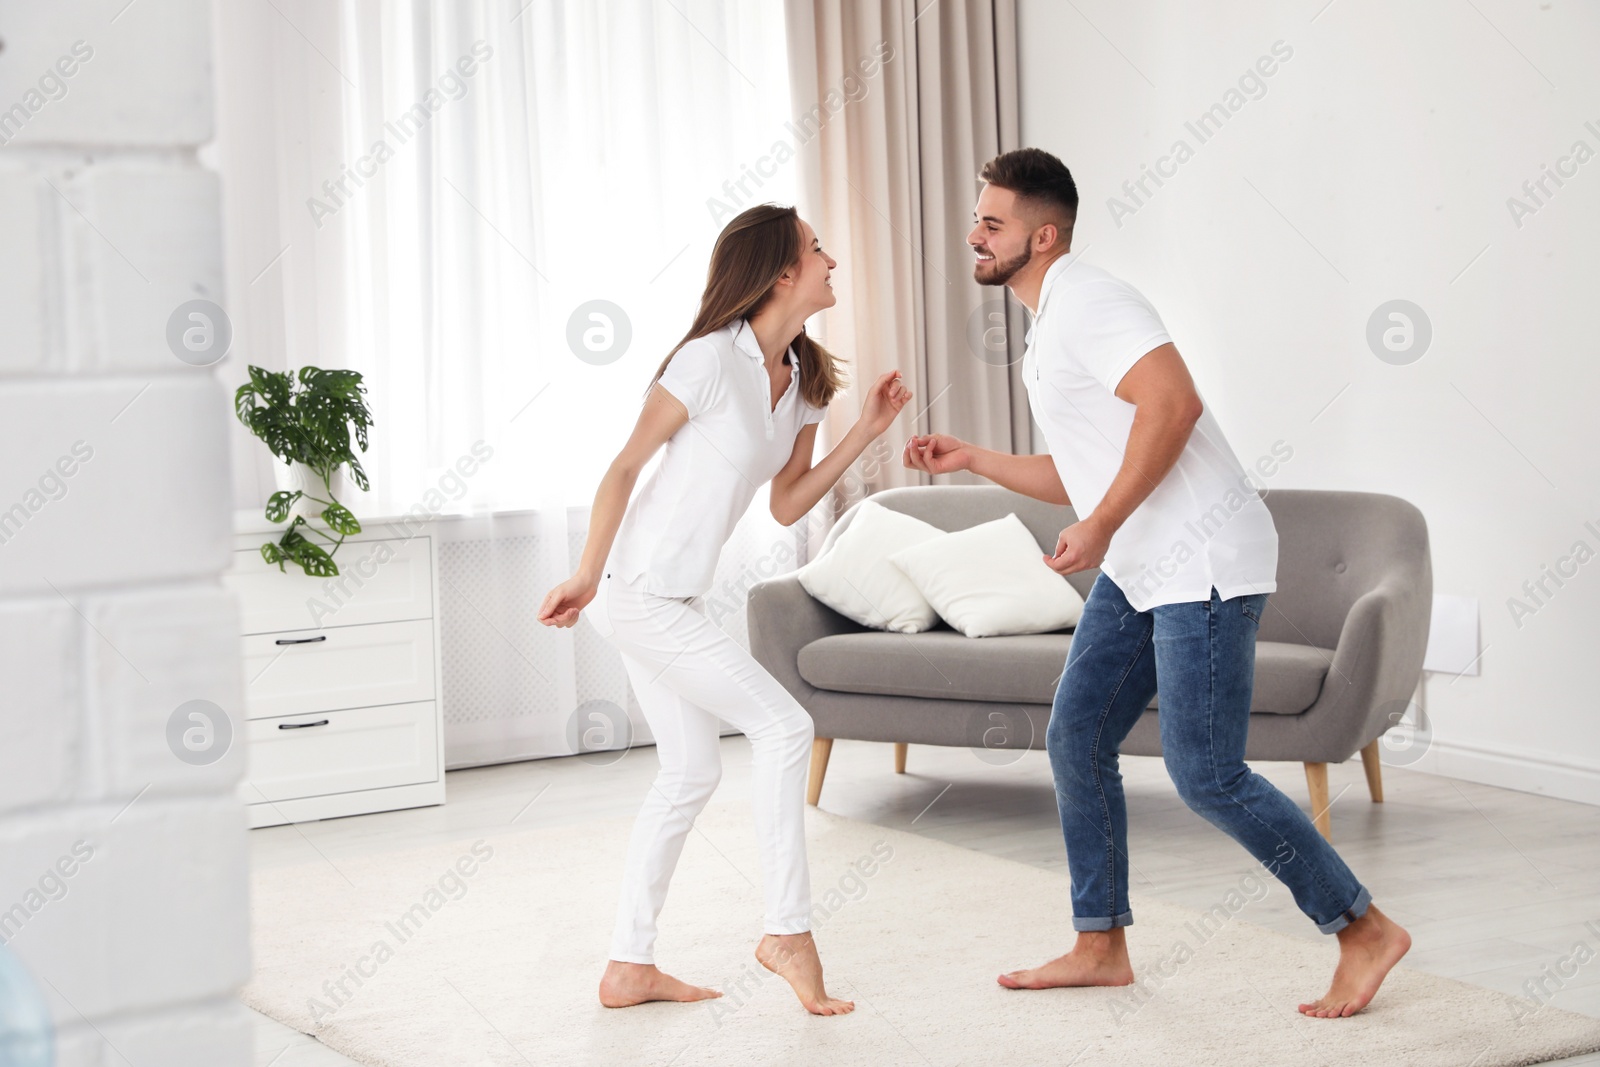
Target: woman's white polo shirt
pixel 733 443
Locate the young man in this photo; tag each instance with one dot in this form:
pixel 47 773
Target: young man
pixel 1187 552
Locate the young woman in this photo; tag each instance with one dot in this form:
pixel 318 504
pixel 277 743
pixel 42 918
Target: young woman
pixel 736 404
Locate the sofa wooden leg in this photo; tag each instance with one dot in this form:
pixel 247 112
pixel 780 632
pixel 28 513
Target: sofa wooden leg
pixel 821 747
pixel 1317 780
pixel 1374 768
pixel 900 757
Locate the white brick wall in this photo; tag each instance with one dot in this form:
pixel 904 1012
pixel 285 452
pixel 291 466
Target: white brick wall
pixel 41 727
pixel 123 872
pixel 154 650
pixel 22 220
pixel 109 480
pixel 146 79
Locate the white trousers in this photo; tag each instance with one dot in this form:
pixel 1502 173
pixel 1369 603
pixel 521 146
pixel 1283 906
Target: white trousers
pixel 687 674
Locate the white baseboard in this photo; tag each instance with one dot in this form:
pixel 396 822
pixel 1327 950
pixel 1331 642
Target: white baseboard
pixel 1527 772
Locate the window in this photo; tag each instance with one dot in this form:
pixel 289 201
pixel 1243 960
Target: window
pixel 500 213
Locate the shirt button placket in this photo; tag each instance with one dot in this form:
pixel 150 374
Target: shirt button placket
pixel 766 396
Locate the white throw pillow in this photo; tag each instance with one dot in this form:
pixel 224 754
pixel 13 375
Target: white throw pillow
pixel 855 578
pixel 991 579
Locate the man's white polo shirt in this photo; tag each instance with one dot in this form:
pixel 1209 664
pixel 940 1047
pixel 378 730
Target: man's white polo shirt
pixel 1204 525
pixel 733 443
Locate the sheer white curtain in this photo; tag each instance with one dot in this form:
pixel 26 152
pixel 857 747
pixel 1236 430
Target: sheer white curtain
pixel 501 213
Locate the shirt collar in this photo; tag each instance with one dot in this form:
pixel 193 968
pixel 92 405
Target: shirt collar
pixel 744 339
pixel 1054 271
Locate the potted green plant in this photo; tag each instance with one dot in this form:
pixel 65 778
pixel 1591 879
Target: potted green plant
pixel 309 425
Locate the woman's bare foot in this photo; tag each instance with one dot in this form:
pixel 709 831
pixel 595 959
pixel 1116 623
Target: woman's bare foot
pixel 1368 948
pixel 627 984
pixel 1100 957
pixel 793 957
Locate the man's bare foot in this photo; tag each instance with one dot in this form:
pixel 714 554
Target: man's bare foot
pixel 627 984
pixel 793 957
pixel 1368 948
pixel 1100 957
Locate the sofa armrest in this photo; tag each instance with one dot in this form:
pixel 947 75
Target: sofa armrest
pixel 1374 671
pixel 782 618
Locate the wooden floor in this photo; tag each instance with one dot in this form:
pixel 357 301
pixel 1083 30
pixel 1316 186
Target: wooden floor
pixel 1495 886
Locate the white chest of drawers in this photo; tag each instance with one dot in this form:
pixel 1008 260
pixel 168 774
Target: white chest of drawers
pixel 342 687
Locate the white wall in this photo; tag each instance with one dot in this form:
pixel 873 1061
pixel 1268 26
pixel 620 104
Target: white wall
pixel 1377 164
pixel 122 867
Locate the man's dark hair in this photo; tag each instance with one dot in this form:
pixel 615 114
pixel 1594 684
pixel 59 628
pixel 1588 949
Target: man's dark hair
pixel 1039 179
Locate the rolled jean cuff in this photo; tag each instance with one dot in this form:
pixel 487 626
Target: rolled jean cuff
pixel 1350 914
pixel 1084 923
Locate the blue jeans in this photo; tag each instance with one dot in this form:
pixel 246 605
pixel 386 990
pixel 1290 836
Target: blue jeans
pixel 1201 656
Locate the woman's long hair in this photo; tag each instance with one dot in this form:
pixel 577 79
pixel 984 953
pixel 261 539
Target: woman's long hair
pixel 751 253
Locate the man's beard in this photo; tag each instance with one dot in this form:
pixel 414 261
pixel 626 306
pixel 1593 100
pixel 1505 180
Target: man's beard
pixel 1002 272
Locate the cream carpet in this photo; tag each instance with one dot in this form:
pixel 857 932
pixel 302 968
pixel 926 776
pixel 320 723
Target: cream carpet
pixel 487 951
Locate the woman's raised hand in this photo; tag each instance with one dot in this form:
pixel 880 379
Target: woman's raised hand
pixel 884 401
pixel 562 604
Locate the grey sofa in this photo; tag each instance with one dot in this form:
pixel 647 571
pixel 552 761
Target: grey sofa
pixel 1339 649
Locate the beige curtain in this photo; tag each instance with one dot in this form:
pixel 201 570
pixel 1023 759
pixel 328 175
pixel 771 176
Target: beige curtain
pixel 898 103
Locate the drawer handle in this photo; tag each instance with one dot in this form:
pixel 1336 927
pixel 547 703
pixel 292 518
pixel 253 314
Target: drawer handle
pixel 300 640
pixel 301 725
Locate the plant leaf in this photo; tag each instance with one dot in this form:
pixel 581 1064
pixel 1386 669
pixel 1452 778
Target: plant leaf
pixel 358 474
pixel 273 386
pixel 244 402
pixel 272 554
pixel 279 503
pixel 313 560
pixel 340 520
